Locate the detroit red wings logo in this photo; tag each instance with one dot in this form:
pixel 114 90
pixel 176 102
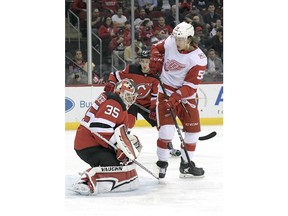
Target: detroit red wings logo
pixel 143 90
pixel 173 65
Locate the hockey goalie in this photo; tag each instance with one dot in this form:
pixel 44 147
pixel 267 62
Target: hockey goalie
pixel 102 142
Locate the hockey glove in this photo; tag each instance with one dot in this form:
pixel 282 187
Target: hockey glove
pixel 109 87
pixel 173 101
pixel 156 63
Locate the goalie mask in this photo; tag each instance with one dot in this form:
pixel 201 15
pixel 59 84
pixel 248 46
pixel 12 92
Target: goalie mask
pixel 127 91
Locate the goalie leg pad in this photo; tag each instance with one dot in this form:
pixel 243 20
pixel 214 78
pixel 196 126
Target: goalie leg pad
pixel 111 179
pixel 117 178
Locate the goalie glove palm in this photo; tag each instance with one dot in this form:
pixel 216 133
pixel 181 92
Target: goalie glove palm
pixel 129 145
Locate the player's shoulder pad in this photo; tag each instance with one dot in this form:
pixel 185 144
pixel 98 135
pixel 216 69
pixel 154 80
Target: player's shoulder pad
pixel 116 97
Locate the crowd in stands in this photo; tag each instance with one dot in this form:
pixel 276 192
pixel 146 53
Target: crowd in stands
pixel 111 21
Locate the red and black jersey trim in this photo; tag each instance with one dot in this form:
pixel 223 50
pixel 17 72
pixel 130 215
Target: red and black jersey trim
pixel 99 125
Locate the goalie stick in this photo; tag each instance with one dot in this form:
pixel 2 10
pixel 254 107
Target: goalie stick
pixel 136 162
pixel 201 138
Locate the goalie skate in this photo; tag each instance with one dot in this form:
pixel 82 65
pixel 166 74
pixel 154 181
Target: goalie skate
pixel 82 188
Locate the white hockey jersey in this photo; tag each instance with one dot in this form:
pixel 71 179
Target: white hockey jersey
pixel 177 70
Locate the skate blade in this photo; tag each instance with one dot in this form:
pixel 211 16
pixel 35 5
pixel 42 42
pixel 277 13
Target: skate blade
pixel 181 175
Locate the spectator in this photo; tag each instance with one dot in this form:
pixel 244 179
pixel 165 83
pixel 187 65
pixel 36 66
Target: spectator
pixel 119 19
pixel 214 70
pixel 196 22
pixel 210 17
pixel 217 25
pixel 110 6
pixel 106 32
pixel 171 18
pixel 96 20
pixel 201 38
pixel 146 32
pixel 185 6
pixel 77 7
pixel 148 5
pixel 127 29
pixel 193 12
pixel 201 4
pixel 77 73
pixel 126 5
pixel 140 19
pixel 216 43
pixel 161 30
pixel 117 46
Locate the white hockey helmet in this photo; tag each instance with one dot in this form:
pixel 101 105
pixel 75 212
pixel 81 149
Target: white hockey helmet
pixel 183 30
pixel 127 91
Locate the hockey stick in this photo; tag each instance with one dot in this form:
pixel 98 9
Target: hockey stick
pixel 142 107
pixel 136 162
pixel 202 138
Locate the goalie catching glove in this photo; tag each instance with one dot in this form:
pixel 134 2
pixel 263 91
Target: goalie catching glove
pixel 128 146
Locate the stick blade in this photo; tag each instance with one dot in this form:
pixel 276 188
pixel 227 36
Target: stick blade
pixel 208 136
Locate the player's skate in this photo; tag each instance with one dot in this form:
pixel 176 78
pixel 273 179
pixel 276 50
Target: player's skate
pixel 173 152
pixel 162 167
pixel 188 171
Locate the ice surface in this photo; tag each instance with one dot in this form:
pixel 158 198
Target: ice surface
pixel 167 196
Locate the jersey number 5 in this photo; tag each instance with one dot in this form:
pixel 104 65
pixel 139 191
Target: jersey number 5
pixel 200 74
pixel 114 111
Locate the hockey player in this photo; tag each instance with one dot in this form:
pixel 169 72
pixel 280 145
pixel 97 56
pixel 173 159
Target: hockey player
pixel 147 85
pixel 181 65
pixel 96 143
